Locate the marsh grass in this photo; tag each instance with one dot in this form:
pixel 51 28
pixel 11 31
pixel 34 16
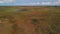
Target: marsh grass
pixel 48 25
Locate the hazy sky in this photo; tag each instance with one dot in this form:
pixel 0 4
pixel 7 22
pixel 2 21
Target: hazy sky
pixel 29 2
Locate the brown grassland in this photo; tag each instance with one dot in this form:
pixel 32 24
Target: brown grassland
pixel 29 20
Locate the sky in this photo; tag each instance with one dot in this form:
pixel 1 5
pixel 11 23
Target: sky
pixel 29 2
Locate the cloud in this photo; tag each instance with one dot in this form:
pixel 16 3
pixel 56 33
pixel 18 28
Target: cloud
pixel 45 3
pixel 31 3
pixel 59 0
pixel 51 3
pixel 1 2
pixel 6 1
pixel 9 0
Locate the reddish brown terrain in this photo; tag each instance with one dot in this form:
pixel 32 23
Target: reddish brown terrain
pixel 30 20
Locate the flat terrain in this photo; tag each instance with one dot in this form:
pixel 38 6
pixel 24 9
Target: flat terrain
pixel 29 20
